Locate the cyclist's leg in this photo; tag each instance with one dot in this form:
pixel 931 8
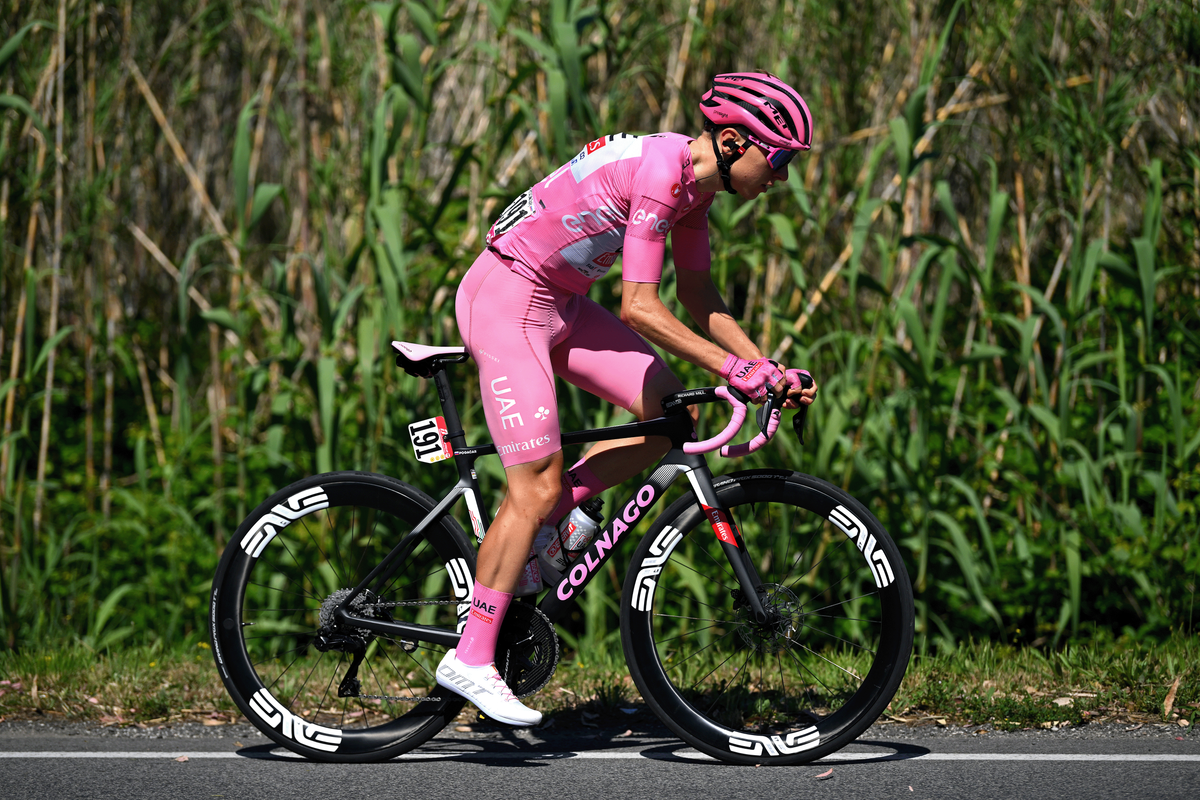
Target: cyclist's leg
pixel 508 324
pixel 533 491
pixel 607 358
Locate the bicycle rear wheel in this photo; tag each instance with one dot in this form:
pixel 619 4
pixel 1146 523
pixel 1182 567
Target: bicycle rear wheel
pixel 281 655
pixel 818 671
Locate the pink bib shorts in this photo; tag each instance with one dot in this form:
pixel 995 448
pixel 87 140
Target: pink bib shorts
pixel 521 334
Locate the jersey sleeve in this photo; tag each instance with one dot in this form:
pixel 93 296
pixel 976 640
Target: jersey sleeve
pixel 642 260
pixel 697 218
pixel 654 203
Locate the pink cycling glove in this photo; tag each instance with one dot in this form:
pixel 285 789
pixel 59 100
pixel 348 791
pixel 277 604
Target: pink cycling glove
pixel 793 378
pixel 752 378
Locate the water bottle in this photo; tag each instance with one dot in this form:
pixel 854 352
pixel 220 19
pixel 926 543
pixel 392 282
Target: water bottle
pixel 574 534
pixel 550 576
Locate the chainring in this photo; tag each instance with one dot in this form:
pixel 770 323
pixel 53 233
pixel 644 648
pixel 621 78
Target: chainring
pixel 527 649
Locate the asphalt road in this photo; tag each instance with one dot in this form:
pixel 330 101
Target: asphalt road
pixel 47 761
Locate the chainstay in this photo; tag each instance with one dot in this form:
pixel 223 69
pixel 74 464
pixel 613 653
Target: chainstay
pixel 397 604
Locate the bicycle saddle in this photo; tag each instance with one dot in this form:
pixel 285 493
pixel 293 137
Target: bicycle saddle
pixel 424 361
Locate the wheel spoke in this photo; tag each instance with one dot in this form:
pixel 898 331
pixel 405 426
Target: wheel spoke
pixel 791 652
pixel 841 602
pixel 699 619
pixel 831 663
pixel 700 650
pixel 840 639
pixel 689 633
pixel 717 699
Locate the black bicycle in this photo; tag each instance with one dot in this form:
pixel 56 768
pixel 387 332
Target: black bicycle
pixel 766 617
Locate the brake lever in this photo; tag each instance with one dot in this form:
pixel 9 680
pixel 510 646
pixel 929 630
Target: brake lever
pixel 763 413
pixel 802 413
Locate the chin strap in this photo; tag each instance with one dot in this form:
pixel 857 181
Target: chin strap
pixel 723 165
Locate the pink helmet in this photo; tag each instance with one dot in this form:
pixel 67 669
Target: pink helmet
pixel 772 111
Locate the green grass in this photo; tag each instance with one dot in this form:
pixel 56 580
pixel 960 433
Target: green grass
pixel 1022 687
pixel 984 684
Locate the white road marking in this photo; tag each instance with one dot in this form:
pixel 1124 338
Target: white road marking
pixel 628 755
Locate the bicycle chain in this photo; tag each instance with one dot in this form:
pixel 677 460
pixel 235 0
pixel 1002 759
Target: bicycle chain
pixel 397 604
pixel 399 699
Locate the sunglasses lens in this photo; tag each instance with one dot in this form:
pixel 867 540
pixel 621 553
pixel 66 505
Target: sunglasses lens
pixel 781 158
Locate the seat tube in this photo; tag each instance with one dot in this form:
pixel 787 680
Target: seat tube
pixel 464 456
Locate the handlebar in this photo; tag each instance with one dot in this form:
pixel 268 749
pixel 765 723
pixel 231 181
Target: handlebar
pixel 769 417
pixel 735 424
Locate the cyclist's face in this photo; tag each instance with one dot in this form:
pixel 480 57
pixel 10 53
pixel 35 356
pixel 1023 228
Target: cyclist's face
pixel 751 175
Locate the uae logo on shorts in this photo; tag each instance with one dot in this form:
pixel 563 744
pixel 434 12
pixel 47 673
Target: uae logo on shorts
pixel 675 190
pixel 605 259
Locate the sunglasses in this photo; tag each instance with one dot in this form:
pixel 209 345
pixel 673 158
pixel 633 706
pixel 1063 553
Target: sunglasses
pixel 777 157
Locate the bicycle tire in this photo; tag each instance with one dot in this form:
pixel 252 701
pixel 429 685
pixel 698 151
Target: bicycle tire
pixel 290 559
pixel 820 672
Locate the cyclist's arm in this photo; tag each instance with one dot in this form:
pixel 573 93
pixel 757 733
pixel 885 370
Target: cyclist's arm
pixel 705 305
pixel 642 311
pixel 694 287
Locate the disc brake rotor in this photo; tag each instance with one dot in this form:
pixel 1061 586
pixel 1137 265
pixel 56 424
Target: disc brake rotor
pixel 779 632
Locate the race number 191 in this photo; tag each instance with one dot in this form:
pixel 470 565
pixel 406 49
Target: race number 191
pixel 429 440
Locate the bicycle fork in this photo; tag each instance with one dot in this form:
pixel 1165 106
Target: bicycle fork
pixel 734 546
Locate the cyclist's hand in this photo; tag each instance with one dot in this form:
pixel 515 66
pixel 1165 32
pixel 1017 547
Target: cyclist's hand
pixel 753 378
pixel 797 394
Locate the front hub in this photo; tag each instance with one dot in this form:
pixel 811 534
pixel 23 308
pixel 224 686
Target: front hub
pixel 778 632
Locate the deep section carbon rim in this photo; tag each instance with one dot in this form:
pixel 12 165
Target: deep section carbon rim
pixel 813 675
pixel 330 691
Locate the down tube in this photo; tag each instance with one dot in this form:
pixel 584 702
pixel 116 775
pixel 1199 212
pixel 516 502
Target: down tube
pixel 559 599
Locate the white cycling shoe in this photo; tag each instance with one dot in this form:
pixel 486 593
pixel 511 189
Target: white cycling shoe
pixel 484 687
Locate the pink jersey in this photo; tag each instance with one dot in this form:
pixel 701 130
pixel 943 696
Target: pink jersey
pixel 619 197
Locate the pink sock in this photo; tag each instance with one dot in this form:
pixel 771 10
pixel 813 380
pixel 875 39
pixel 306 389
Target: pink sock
pixel 478 644
pixel 579 484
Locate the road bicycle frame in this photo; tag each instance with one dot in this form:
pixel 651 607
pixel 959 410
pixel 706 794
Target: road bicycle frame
pixel 676 425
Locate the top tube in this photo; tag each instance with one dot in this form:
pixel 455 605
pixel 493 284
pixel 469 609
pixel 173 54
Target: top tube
pixel 675 424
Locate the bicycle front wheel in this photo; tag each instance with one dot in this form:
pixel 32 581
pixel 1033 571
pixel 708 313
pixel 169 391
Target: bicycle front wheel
pixel 824 664
pixel 324 690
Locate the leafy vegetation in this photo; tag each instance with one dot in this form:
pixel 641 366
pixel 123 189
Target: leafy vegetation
pixel 216 215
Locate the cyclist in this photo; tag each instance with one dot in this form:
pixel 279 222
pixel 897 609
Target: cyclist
pixel 524 316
